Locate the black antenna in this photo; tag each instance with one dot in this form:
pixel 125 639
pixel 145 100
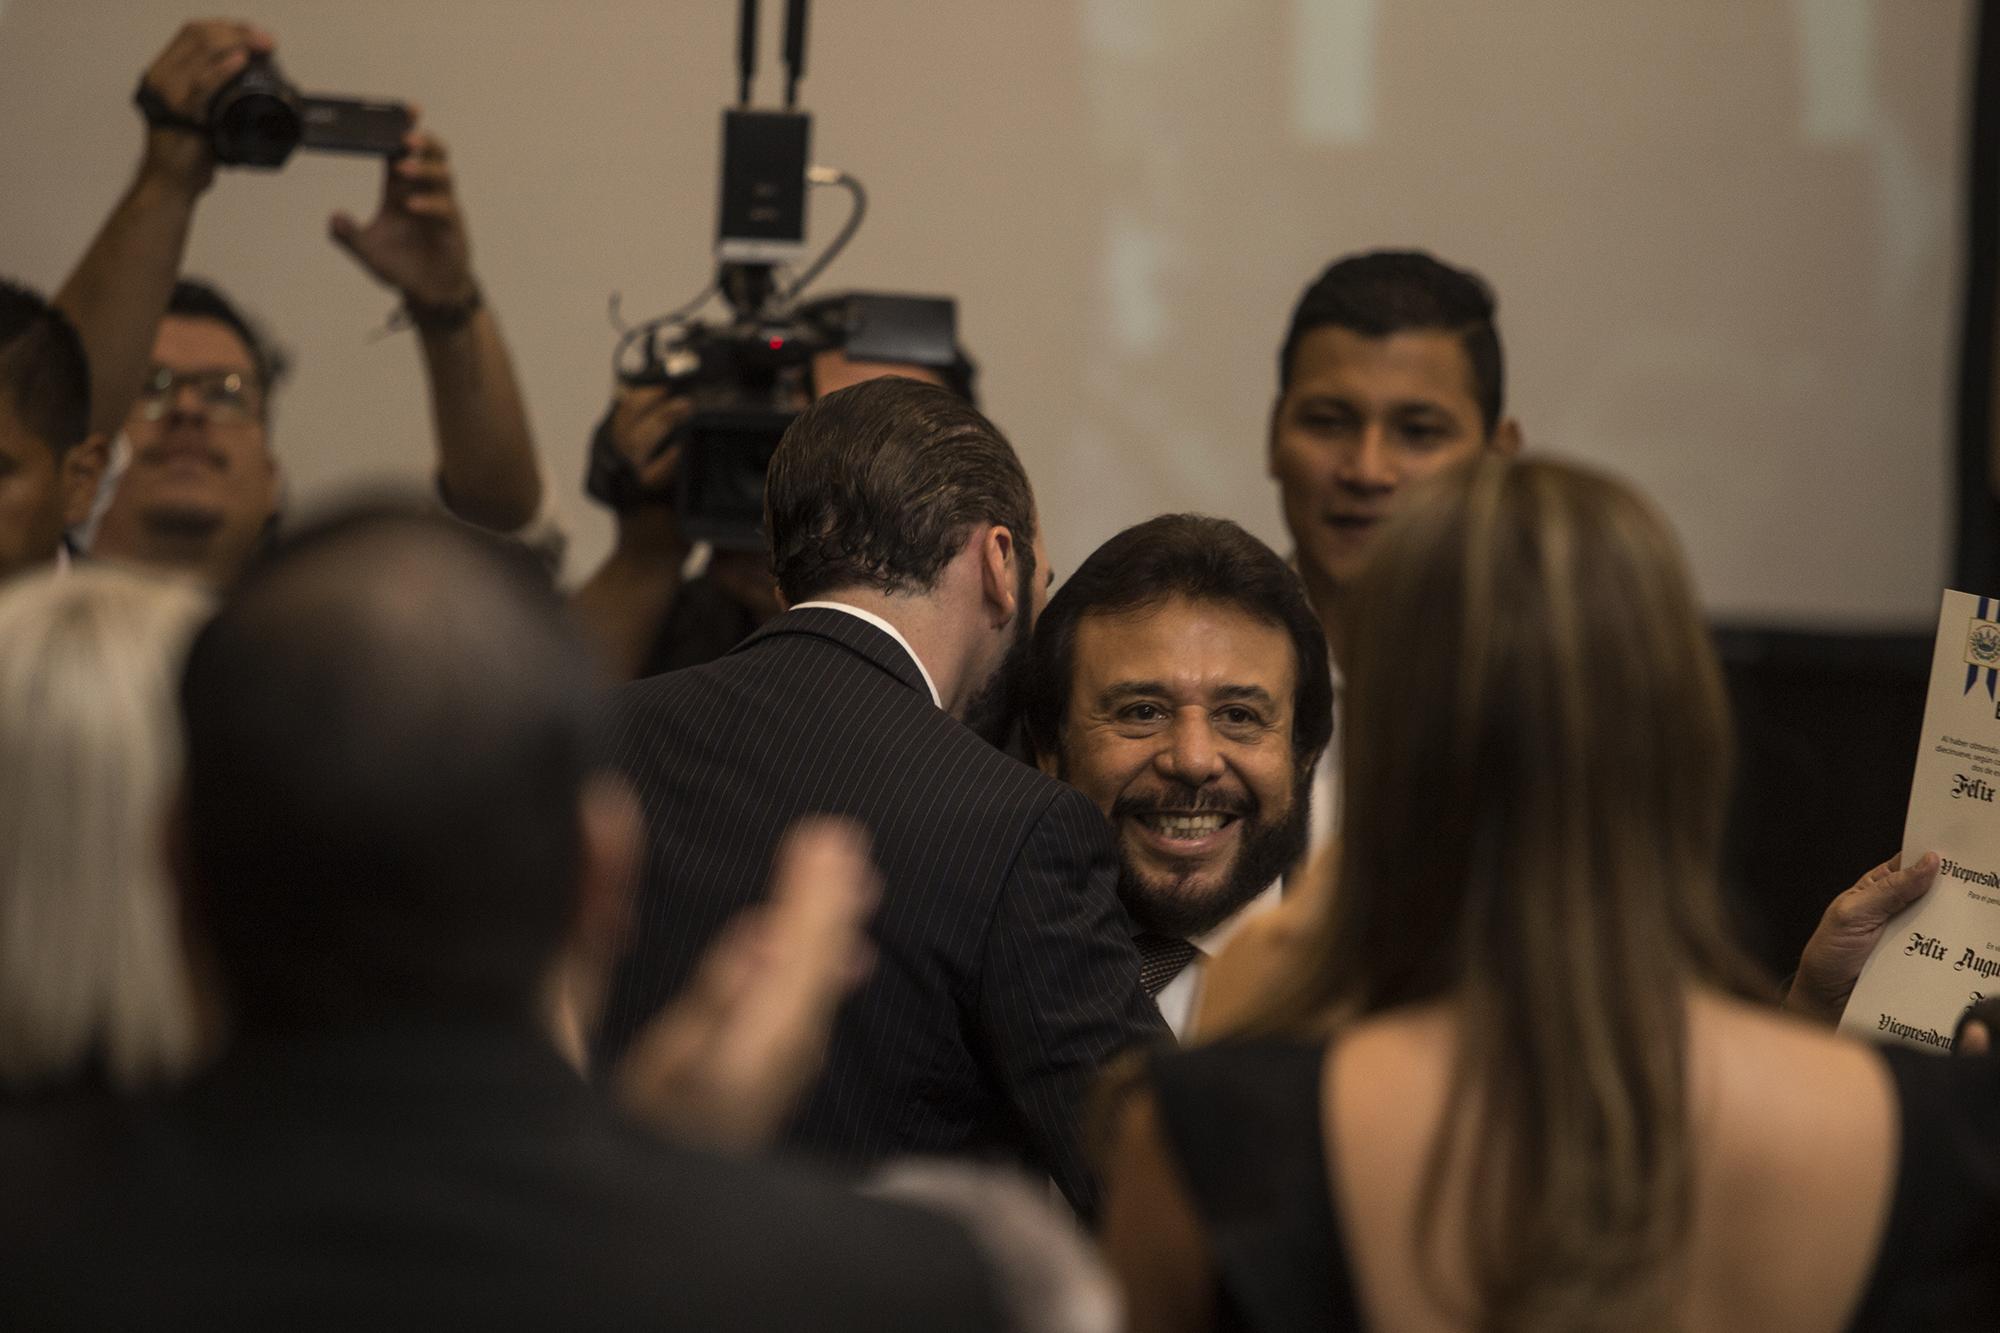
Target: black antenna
pixel 795 50
pixel 746 49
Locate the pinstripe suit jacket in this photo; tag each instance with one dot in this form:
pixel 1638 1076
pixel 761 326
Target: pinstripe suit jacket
pixel 1006 973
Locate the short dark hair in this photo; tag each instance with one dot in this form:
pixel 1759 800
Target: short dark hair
pixel 1200 559
pixel 878 484
pixel 44 375
pixel 388 728
pixel 194 298
pixel 1383 292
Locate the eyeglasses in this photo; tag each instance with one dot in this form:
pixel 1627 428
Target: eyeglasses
pixel 226 395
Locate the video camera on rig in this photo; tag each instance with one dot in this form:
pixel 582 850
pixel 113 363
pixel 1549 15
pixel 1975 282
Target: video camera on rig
pixel 750 374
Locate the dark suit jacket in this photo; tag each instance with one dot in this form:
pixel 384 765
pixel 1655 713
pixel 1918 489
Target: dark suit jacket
pixel 1006 973
pixel 445 1177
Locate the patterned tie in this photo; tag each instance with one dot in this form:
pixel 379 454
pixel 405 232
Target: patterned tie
pixel 1161 958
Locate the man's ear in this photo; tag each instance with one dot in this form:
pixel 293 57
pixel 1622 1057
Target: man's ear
pixel 82 469
pixel 611 836
pixel 1507 437
pixel 999 581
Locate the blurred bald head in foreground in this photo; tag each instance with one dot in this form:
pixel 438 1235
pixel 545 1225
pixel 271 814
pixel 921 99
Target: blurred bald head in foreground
pixel 388 803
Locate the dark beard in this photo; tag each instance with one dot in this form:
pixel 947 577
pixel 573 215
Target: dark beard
pixel 993 711
pixel 1269 850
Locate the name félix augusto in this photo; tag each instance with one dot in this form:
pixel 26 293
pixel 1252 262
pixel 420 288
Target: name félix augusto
pixel 1969 960
pixel 1937 951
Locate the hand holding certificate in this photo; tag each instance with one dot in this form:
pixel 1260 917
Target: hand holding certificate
pixel 1848 933
pixel 1942 955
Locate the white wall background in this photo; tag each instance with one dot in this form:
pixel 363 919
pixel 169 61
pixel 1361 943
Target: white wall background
pixel 1725 232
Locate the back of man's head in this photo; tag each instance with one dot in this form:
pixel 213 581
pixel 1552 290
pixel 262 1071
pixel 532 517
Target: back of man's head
pixel 44 378
pixel 877 486
pixel 387 738
pixel 1385 292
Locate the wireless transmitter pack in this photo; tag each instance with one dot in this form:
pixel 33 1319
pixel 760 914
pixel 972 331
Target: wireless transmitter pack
pixel 749 375
pixel 765 156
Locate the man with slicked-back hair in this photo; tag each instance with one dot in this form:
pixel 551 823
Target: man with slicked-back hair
pixel 903 538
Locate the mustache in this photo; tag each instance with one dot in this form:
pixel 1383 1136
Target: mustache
pixel 1185 801
pixel 168 446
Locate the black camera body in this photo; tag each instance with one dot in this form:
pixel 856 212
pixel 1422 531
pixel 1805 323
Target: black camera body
pixel 258 119
pixel 747 384
pixel 748 379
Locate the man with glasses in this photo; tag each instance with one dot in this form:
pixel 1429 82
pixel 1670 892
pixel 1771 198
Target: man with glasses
pixel 183 375
pixel 199 486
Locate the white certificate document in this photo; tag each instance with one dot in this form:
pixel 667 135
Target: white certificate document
pixel 1943 954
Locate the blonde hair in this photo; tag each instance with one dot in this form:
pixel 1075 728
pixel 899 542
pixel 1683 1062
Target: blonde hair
pixel 93 977
pixel 1537 754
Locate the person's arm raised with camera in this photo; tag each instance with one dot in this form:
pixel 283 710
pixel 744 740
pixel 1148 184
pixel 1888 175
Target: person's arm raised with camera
pixel 119 290
pixel 417 244
pixel 621 604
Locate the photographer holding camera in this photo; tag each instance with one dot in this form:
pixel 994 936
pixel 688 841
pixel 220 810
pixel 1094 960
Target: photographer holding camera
pixel 184 377
pixel 644 615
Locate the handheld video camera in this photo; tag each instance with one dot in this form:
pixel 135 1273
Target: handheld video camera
pixel 750 374
pixel 258 119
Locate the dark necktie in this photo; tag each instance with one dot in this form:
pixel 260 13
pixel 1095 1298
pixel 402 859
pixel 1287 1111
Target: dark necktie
pixel 1161 958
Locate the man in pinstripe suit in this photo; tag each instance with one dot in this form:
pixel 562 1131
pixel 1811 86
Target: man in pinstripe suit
pixel 904 542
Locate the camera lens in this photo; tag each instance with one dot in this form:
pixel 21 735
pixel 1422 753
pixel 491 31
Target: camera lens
pixel 254 118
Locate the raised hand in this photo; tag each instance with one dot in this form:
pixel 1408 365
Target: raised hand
pixel 642 418
pixel 417 241
pixel 1848 933
pixel 202 57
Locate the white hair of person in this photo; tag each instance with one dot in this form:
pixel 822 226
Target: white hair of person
pixel 93 976
pixel 1047 1272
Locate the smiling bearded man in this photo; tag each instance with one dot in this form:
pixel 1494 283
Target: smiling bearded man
pixel 1179 679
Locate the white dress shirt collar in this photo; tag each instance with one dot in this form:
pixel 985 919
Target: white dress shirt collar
pixel 1179 998
pixel 887 629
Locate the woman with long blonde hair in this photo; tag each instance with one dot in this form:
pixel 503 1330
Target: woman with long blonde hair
pixel 94 986
pixel 1519 1077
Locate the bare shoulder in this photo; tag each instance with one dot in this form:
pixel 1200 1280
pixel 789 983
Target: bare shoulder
pixel 1786 1097
pixel 1263 950
pixel 1796 1137
pixel 1753 1051
pixel 1387 1082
